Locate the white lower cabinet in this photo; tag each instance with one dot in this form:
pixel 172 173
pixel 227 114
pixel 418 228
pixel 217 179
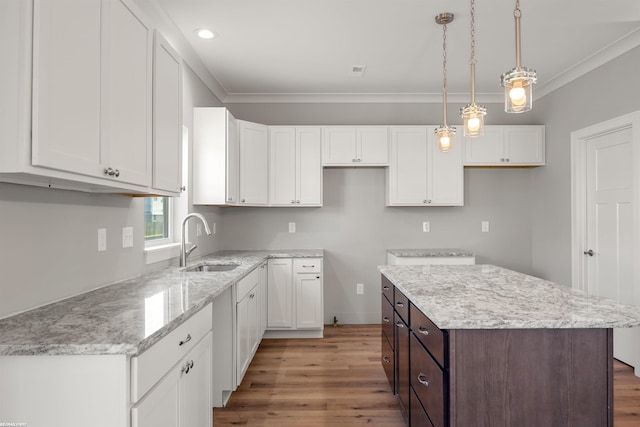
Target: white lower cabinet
pixel 295 298
pixel 183 397
pixel 249 323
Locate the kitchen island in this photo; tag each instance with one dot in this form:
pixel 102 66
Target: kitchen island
pixel 485 346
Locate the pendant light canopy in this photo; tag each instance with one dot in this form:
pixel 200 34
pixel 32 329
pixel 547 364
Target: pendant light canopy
pixel 473 114
pixel 444 133
pixel 518 81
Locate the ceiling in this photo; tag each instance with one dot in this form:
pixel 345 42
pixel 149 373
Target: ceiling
pixel 304 50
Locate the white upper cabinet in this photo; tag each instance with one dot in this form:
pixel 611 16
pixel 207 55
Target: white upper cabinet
pixel 215 157
pixel 355 146
pixel 254 164
pixel 421 175
pixel 92 94
pixel 521 145
pixel 167 117
pixel 295 166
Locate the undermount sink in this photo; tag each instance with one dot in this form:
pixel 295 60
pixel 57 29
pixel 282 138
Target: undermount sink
pixel 206 267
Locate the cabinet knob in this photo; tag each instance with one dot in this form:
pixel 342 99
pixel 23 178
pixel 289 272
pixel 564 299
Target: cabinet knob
pixel 293 201
pixel 507 160
pixel 242 201
pixel 424 201
pixel 183 188
pixel 112 172
pixel 297 201
pixel 186 340
pixel 317 277
pixel 423 330
pixel 422 379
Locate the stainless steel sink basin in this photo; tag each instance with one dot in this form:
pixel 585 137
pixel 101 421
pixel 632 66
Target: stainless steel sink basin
pixel 206 267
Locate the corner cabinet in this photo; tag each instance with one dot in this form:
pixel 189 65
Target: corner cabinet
pixel 295 166
pixel 355 146
pixel 421 175
pixel 295 298
pixel 522 145
pixel 215 157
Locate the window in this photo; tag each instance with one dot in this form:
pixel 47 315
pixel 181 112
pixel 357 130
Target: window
pixel 156 218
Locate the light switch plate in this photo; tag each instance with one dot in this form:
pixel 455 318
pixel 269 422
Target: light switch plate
pixel 292 227
pixel 426 227
pixel 359 288
pixel 102 239
pixel 127 237
pixel 485 226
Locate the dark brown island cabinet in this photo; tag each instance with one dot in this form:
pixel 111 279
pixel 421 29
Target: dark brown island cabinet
pixel 494 377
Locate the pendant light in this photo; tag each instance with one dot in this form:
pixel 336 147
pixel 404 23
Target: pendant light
pixel 444 133
pixel 518 81
pixel 473 114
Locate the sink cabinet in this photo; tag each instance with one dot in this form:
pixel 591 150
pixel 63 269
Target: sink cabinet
pixel 249 324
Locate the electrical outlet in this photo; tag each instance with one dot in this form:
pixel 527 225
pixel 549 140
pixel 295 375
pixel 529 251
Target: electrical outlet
pixel 292 227
pixel 426 227
pixel 127 237
pixel 102 239
pixel 359 288
pixel 485 226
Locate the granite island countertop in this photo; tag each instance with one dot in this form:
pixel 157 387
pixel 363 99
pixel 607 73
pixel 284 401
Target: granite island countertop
pixel 491 297
pixel 113 319
pixel 434 252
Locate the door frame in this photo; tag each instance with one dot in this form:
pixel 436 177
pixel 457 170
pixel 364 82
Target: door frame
pixel 579 141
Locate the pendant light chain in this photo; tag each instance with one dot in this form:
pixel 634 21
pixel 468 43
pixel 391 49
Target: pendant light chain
pixel 473 32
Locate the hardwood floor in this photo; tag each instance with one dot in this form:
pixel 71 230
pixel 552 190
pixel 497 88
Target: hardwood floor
pixel 338 381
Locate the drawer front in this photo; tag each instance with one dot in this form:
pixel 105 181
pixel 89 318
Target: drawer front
pixel 428 333
pixel 401 305
pixel 247 283
pixel 427 379
pixel 388 361
pixel 387 319
pixel 417 414
pixel 307 265
pixel 387 289
pixel 154 363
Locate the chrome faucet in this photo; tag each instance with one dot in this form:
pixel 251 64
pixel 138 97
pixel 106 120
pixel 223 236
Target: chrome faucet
pixel 184 252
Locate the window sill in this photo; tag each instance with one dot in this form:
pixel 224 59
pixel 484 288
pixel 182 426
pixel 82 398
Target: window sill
pixel 159 253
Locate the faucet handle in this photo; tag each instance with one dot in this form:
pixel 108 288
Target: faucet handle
pixel 189 250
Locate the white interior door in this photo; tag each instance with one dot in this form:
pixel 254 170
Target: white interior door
pixel 609 250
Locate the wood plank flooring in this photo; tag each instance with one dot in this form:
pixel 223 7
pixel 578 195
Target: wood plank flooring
pixel 338 381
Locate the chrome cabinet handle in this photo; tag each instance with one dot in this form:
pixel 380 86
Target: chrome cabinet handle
pixel 112 172
pixel 423 330
pixel 386 320
pixel 242 201
pixel 589 252
pixel 186 340
pixel 400 304
pixel 252 296
pixel 308 266
pixel 387 359
pixel 187 367
pixel 400 325
pixel 386 288
pixel 422 379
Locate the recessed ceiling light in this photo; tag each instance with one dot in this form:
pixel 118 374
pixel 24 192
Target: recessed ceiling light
pixel 205 33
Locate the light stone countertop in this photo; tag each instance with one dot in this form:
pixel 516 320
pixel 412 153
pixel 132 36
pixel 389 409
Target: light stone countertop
pixel 490 297
pixel 111 320
pixel 438 252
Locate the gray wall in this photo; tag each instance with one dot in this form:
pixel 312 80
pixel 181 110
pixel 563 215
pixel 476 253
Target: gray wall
pixel 49 237
pixel 607 92
pixel 354 226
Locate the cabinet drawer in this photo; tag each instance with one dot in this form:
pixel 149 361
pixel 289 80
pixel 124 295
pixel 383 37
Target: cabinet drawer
pixel 307 265
pixel 154 363
pixel 247 283
pixel 401 305
pixel 418 416
pixel 387 319
pixel 388 360
pixel 428 333
pixel 387 289
pixel 427 379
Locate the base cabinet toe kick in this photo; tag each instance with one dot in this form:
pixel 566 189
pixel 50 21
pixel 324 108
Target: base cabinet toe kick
pixel 494 377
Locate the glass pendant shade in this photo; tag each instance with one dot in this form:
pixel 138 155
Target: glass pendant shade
pixel 517 84
pixel 473 116
pixel 444 136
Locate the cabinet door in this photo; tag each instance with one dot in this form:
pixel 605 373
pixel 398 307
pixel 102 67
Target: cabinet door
pixel 407 173
pixel 446 173
pixel 66 85
pixel 126 95
pixel 247 327
pixel 402 364
pixel 160 407
pixel 195 386
pixel 232 157
pixel 254 176
pixel 487 149
pixel 373 145
pixel 524 145
pixel 167 117
pixel 279 294
pixel 282 166
pixel 339 146
pixel 309 167
pixel 309 312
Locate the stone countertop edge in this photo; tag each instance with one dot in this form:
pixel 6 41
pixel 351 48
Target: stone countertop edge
pixel 433 252
pixel 111 320
pixel 491 297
